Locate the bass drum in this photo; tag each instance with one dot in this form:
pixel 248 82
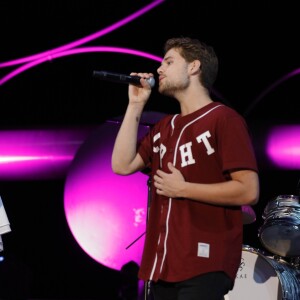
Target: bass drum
pixel 263 278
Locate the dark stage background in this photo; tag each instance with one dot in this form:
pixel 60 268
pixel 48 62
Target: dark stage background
pixel 257 44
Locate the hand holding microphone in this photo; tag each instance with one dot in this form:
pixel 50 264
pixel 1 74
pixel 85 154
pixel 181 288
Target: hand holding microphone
pixel 121 78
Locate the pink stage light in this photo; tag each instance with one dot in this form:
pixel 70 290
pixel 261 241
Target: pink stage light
pixel 283 146
pixel 108 226
pixel 106 213
pixel 38 154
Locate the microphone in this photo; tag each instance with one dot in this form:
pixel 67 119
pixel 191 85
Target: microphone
pixel 121 78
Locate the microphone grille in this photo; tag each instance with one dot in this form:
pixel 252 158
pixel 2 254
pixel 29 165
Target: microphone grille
pixel 151 81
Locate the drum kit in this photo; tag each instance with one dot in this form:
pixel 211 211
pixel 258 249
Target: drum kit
pixel 273 274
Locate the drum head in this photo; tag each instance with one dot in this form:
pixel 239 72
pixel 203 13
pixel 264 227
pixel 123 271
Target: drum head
pixel 281 237
pixel 256 278
pixel 280 232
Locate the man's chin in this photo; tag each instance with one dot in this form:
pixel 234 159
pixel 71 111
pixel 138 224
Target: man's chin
pixel 165 91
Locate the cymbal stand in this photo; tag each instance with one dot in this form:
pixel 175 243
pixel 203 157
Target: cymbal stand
pixel 147 283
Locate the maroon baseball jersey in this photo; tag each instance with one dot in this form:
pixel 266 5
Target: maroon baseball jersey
pixel 186 238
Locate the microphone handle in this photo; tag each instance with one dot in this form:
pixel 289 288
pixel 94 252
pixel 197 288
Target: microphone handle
pixel 114 77
pixel 121 78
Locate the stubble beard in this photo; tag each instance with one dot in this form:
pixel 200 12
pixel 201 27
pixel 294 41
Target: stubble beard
pixel 170 89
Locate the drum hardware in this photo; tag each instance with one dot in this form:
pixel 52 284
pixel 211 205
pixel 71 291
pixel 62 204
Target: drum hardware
pixel 278 258
pixel 292 261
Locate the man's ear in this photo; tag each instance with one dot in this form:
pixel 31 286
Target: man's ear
pixel 195 66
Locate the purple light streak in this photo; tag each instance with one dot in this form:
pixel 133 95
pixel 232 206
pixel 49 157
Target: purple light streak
pixel 84 40
pixel 270 88
pixel 77 51
pixel 49 55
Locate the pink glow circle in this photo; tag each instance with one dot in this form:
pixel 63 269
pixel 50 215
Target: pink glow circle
pixel 106 212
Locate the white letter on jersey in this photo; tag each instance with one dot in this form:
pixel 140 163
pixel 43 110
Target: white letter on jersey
pixel 203 138
pixel 161 148
pixel 155 138
pixel 186 154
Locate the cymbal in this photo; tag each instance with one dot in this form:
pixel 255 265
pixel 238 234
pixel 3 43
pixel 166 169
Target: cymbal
pixel 248 214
